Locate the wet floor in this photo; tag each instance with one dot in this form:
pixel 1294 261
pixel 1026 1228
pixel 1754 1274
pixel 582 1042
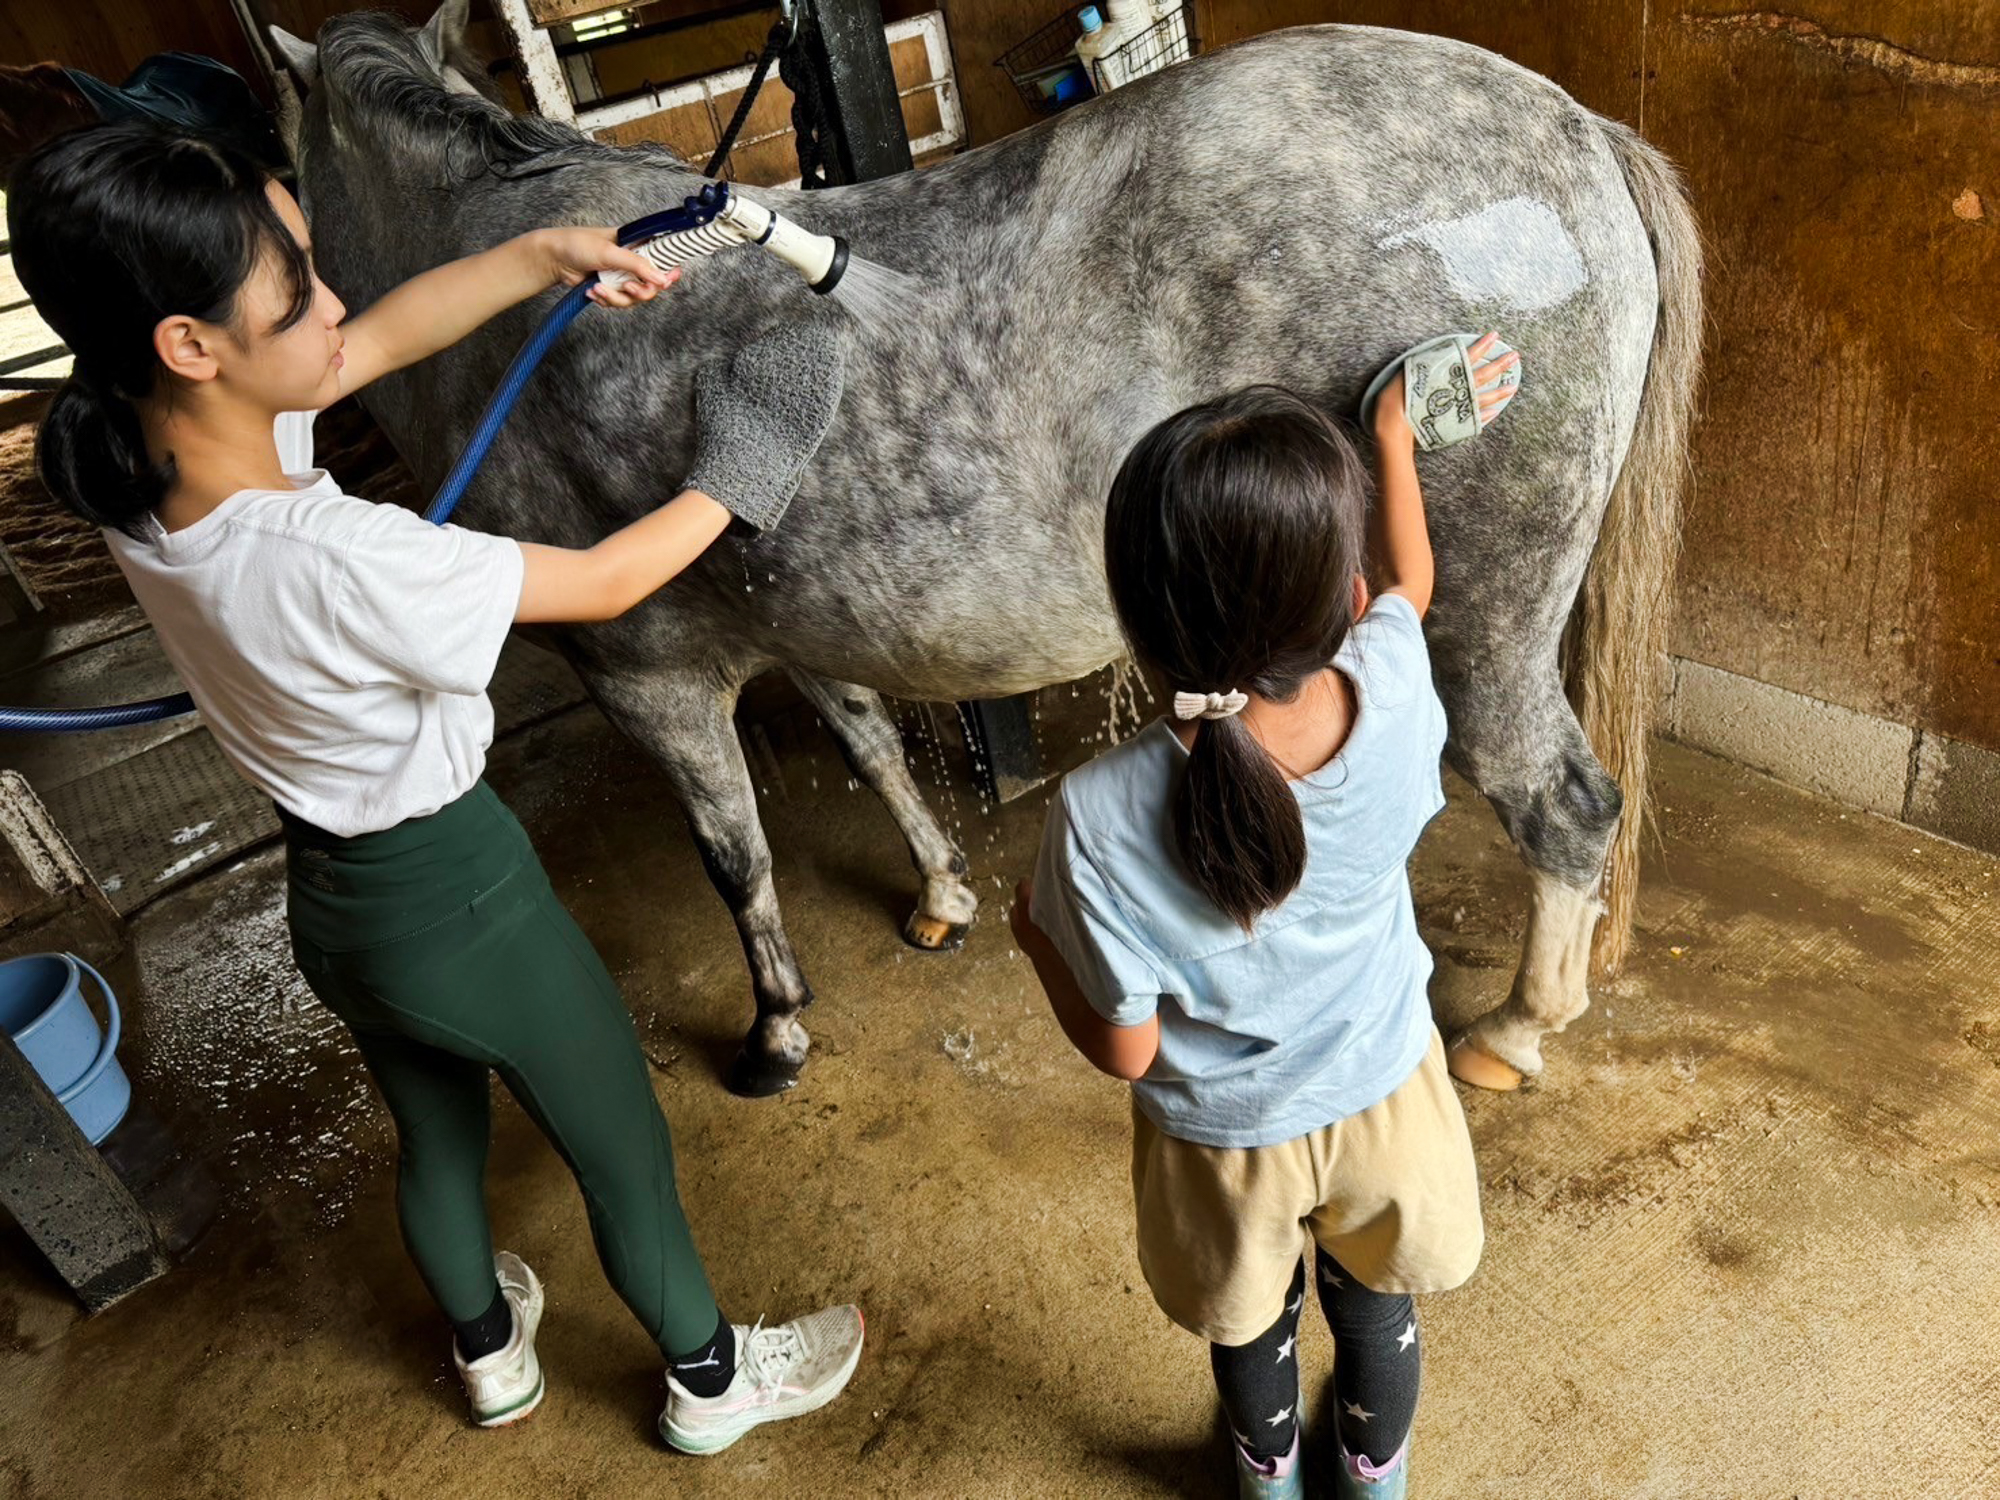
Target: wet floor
pixel 1744 1240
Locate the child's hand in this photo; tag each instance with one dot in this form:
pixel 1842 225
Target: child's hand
pixel 572 254
pixel 1486 375
pixel 1392 422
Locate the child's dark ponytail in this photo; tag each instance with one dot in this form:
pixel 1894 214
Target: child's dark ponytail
pixel 1232 541
pixel 1238 823
pixel 114 228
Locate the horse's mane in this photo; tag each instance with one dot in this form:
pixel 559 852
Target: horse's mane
pixel 388 88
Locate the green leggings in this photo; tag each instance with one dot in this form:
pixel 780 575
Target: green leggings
pixel 441 945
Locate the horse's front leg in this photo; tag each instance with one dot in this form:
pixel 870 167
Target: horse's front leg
pixel 873 749
pixel 682 718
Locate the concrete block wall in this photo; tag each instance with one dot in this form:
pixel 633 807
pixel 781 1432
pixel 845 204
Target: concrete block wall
pixel 1918 776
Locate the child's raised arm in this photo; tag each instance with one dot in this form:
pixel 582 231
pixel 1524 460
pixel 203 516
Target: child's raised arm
pixel 1400 537
pixel 435 310
pixel 1401 541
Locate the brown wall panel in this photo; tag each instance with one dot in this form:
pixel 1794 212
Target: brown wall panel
pixel 687 131
pixel 109 39
pixel 980 31
pixel 690 53
pixel 1844 536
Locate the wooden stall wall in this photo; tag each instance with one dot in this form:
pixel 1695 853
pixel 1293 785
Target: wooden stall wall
pixel 110 38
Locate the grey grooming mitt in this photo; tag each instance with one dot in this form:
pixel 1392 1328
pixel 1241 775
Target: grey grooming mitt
pixel 760 418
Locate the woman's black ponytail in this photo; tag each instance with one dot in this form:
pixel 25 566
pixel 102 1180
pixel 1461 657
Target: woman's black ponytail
pixel 91 453
pixel 1232 540
pixel 114 228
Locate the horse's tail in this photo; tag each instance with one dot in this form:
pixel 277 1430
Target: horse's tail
pixel 1620 629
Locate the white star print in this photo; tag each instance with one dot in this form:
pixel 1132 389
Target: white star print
pixel 1329 1278
pixel 1357 1411
pixel 1297 1303
pixel 1407 1337
pixel 1282 1417
pixel 1285 1349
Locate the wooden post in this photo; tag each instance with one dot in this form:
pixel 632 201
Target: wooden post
pixel 858 88
pixel 542 80
pixel 1000 733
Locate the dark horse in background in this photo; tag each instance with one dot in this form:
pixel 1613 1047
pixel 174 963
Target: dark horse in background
pixel 1293 209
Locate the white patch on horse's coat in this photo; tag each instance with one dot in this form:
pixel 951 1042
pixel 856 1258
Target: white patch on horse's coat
pixel 1514 253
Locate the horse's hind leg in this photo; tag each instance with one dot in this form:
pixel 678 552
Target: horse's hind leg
pixel 682 718
pixel 873 748
pixel 1519 743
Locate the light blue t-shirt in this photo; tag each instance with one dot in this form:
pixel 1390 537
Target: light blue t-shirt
pixel 1320 1011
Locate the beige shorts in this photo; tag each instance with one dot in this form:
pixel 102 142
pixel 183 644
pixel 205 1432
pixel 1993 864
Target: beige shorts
pixel 1390 1193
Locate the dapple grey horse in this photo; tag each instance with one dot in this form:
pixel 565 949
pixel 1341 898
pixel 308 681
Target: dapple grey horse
pixel 1293 209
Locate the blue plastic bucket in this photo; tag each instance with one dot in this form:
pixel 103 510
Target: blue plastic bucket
pixel 43 1009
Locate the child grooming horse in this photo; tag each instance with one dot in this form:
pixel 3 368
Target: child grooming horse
pixel 1221 912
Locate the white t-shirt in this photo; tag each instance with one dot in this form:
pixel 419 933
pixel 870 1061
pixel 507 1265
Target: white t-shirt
pixel 339 649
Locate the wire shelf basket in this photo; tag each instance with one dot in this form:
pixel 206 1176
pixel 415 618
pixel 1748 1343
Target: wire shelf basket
pixel 1050 76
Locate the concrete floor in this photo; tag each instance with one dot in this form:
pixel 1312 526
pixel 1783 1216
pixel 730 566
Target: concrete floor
pixel 1743 1241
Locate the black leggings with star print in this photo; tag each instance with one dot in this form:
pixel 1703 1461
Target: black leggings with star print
pixel 1378 1362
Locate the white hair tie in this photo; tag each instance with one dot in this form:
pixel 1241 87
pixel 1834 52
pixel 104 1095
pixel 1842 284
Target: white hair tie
pixel 1208 705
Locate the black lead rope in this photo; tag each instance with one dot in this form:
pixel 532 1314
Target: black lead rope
pixel 779 40
pixel 811 132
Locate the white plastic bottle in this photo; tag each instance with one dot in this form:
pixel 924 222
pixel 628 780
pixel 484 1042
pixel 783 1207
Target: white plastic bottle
pixel 1095 46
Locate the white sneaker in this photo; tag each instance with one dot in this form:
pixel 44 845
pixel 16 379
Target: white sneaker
pixel 506 1385
pixel 780 1372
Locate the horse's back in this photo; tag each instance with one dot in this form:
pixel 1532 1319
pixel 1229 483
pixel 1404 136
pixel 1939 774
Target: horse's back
pixel 1293 209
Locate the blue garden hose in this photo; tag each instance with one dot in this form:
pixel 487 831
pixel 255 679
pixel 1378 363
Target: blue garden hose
pixel 694 213
pixel 501 406
pixel 78 720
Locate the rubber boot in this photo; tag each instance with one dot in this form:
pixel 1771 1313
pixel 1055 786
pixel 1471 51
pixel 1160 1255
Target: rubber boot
pixel 1274 1479
pixel 1357 1479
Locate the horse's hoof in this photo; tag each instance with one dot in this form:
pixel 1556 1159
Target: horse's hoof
pixel 1480 1068
pixel 934 935
pixel 754 1078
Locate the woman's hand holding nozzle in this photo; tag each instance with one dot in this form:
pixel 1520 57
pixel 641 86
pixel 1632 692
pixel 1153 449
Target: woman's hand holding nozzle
pixel 571 255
